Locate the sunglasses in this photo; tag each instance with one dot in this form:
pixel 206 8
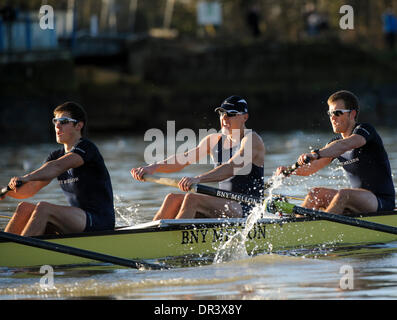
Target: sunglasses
pixel 230 113
pixel 63 120
pixel 337 113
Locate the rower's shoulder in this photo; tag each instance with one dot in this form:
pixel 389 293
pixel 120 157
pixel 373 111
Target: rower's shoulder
pixel 254 137
pixel 55 154
pixel 367 131
pixel 366 127
pixel 87 150
pixel 85 143
pixel 212 138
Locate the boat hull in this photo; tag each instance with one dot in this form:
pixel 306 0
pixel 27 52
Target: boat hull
pixel 174 238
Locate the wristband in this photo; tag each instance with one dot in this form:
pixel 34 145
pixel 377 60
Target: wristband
pixel 317 152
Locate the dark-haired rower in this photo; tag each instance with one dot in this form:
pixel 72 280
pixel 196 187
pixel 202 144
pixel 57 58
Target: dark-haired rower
pixel 361 153
pixel 82 175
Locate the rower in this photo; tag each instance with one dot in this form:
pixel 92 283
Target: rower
pixel 82 175
pixel 238 154
pixel 361 153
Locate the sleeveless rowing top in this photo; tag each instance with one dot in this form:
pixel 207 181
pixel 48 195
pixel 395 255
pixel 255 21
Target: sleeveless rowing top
pixel 251 183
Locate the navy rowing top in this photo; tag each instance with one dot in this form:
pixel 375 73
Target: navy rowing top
pixel 88 187
pixel 251 183
pixel 368 167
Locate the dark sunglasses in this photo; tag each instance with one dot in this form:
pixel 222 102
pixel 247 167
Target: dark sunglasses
pixel 337 113
pixel 231 113
pixel 63 120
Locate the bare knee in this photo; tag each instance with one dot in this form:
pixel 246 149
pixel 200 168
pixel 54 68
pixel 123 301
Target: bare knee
pixel 315 192
pixel 25 206
pixel 170 197
pixel 191 199
pixel 343 194
pixel 21 216
pixel 42 209
pixel 24 209
pixel 173 198
pixel 42 205
pixel 314 195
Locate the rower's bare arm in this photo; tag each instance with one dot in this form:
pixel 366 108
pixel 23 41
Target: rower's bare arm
pixel 36 180
pixel 339 147
pixel 27 190
pixel 179 161
pixel 329 152
pixel 54 168
pixel 252 150
pixel 312 167
pixel 258 148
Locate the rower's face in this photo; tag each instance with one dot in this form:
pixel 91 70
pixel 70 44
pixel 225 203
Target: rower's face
pixel 341 123
pixel 65 132
pixel 232 123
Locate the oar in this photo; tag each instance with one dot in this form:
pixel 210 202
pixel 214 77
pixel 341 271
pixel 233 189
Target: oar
pixel 42 244
pixel 285 173
pixel 280 205
pixel 210 191
pixel 199 188
pixel 4 190
pixel 291 208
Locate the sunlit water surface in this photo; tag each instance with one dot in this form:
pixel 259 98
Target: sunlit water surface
pixel 298 274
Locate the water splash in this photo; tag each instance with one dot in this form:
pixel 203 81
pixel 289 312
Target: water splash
pixel 126 215
pixel 234 248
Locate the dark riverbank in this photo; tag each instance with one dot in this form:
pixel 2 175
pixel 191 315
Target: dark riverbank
pixel 286 86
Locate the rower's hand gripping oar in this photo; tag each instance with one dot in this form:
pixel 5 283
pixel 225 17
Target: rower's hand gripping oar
pixel 171 182
pixel 203 189
pixel 6 189
pixel 286 173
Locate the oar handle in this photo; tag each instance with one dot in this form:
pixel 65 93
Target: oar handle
pixel 6 189
pixel 287 172
pixel 295 166
pixel 171 182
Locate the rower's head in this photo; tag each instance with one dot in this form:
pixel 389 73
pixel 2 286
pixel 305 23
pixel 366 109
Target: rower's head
pixel 343 110
pixel 233 113
pixel 70 120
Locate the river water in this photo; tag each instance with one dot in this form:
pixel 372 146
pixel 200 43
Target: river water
pixel 317 274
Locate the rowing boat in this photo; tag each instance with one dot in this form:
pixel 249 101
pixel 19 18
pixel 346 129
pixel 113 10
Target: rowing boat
pixel 175 238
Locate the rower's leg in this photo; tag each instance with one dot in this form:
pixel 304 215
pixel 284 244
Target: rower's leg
pixel 355 200
pixel 170 207
pixel 67 219
pixel 210 207
pixel 20 217
pixel 319 198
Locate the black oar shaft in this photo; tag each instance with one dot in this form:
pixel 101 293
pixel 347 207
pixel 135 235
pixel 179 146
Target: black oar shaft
pixel 42 244
pixel 240 197
pixel 345 220
pixel 199 188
